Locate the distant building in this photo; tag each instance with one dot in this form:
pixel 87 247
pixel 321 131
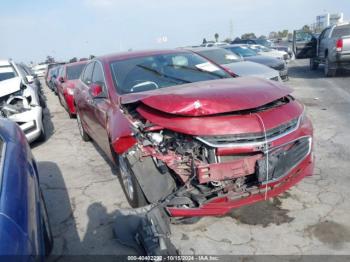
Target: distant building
pixel 322 21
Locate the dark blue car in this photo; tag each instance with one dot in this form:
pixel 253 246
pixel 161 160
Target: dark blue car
pixel 24 226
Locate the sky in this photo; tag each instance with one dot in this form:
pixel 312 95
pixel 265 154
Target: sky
pixel 30 30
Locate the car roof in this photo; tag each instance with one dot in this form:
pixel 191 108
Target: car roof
pixel 134 54
pixel 76 63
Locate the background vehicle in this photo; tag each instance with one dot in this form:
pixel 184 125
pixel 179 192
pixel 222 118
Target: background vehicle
pixel 24 225
pixel 40 70
pixel 256 41
pixel 21 101
pixel 49 67
pixel 262 50
pixel 54 80
pixel 66 82
pixel 250 55
pixel 51 77
pixel 213 43
pixel 235 65
pixel 184 132
pixel 332 48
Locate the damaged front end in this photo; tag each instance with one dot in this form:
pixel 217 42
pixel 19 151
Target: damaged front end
pixel 22 107
pixel 221 161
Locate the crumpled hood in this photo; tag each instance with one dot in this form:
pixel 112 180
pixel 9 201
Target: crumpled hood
pixel 10 86
pixel 247 68
pixel 211 97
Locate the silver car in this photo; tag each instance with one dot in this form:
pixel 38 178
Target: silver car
pixel 235 64
pixel 20 100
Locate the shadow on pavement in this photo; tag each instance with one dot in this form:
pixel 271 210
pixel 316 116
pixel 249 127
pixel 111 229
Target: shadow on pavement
pixel 98 238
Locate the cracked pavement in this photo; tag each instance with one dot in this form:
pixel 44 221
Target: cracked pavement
pixel 83 193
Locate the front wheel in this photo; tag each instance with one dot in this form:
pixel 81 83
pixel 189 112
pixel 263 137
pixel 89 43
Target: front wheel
pixel 129 183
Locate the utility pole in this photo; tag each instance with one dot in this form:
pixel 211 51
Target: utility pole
pixel 231 29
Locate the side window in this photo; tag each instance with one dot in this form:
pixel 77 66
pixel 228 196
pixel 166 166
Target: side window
pixel 97 76
pixel 88 73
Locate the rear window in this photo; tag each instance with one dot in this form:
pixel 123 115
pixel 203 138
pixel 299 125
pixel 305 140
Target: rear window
pixel 341 31
pixel 7 72
pixel 73 72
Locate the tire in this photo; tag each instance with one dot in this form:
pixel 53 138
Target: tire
pixel 313 64
pixel 328 70
pixel 42 136
pixel 47 233
pixel 129 183
pixel 82 131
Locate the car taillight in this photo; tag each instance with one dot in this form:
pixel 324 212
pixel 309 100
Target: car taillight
pixel 124 143
pixel 339 45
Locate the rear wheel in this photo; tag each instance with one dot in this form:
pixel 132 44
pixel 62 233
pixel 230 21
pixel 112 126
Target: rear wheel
pixel 82 131
pixel 329 70
pixel 42 136
pixel 313 64
pixel 130 185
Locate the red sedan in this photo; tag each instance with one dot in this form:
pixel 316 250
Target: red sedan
pixel 66 82
pixel 184 133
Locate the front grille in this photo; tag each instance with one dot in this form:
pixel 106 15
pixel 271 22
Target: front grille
pixel 230 140
pixel 282 160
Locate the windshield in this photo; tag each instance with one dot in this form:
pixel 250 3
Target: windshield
pixel 242 50
pixel 263 42
pixel 74 71
pixel 220 56
pixel 7 72
pixel 159 71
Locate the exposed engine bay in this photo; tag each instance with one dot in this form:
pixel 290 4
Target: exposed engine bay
pixel 207 167
pixel 20 103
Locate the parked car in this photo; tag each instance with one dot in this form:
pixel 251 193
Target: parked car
pixel 286 49
pixel 251 41
pixel 213 43
pixel 234 64
pixel 25 233
pixel 55 81
pixel 40 70
pixel 51 77
pixel 250 55
pixel 67 80
pixel 182 131
pixel 20 100
pixel 49 67
pixel 262 50
pixel 331 48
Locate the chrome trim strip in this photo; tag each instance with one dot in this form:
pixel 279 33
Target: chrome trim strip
pixel 237 145
pixel 3 156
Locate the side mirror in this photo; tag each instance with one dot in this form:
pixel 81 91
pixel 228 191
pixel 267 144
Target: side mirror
pixel 96 91
pixel 61 79
pixel 30 79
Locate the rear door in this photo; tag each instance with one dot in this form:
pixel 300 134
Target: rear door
pixel 304 44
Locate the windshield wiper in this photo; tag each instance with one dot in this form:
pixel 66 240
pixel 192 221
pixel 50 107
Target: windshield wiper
pixel 172 78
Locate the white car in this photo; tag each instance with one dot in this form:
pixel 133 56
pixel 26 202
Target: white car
pixel 40 70
pixel 263 50
pixel 20 100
